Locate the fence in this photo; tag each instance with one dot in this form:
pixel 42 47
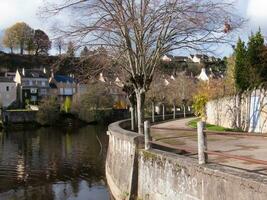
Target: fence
pixel 159 118
pixel 202 146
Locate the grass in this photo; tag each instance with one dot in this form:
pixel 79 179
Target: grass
pixel 211 127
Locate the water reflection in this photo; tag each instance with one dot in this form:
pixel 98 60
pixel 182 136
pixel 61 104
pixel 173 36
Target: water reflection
pixel 51 163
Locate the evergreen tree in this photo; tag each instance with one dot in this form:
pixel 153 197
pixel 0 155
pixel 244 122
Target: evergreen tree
pixel 254 58
pixel 241 72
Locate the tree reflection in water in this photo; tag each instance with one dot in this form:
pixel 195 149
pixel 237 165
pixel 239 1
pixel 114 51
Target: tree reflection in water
pixel 51 163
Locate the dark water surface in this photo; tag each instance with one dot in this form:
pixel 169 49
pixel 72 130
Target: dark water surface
pixel 52 163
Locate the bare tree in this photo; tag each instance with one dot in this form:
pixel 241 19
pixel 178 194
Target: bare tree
pixel 59 45
pixel 140 32
pixel 180 91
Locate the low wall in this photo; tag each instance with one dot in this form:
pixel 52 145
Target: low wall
pixel 134 173
pixel 165 176
pixel 121 160
pixel 19 116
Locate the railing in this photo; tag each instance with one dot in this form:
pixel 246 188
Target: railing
pixel 159 118
pixel 202 147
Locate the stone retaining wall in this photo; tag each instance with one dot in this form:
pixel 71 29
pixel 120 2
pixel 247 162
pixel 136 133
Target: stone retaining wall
pixel 19 116
pixel 134 173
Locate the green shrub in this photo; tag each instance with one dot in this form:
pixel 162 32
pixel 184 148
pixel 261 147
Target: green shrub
pixel 67 105
pixel 49 111
pixel 199 105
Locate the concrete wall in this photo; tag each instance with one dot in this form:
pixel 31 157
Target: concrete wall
pixel 249 114
pixel 121 160
pixel 7 97
pixel 133 173
pixel 19 116
pixel 165 176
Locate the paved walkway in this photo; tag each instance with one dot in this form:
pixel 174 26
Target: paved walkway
pixel 247 146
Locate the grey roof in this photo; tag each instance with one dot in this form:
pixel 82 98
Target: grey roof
pixel 33 73
pixel 64 79
pixel 6 80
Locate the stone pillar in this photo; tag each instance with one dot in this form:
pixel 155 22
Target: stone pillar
pixel 147 134
pixel 202 143
pixel 132 118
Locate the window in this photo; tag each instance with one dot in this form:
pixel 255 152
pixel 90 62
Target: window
pixel 33 98
pixel 68 91
pixel 43 83
pixel 43 92
pixel 30 82
pixel 33 90
pixel 7 88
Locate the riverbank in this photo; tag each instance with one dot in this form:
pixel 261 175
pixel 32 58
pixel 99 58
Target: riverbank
pixel 29 118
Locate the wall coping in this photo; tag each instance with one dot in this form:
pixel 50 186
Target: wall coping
pixel 211 168
pixel 117 130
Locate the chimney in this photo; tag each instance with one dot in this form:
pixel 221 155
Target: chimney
pixel 44 70
pixel 23 71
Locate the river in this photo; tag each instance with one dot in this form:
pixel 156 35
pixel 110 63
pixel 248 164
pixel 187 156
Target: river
pixel 53 163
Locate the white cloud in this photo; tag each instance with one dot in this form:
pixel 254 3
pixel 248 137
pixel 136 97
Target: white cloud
pixel 257 14
pixel 13 11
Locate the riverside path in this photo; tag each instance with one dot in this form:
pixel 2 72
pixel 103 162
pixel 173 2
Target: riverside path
pixel 253 146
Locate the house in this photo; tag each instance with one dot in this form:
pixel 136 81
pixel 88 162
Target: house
pixel 167 58
pixel 8 91
pixel 199 58
pixel 62 86
pixel 203 75
pixel 180 59
pixel 33 85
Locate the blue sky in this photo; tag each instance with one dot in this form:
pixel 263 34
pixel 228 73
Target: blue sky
pixel 26 10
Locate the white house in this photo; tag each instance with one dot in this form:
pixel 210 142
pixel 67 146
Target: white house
pixel 33 84
pixel 166 58
pixel 198 58
pixel 203 75
pixel 8 91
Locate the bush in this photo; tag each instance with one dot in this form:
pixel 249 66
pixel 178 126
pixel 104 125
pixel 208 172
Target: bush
pixel 94 105
pixel 67 105
pixel 199 105
pixel 49 111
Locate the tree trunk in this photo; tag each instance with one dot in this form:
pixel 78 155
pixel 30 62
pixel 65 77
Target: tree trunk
pixel 153 111
pixel 248 112
pixel 163 112
pixel 135 115
pixel 21 50
pixel 174 111
pixel 238 110
pixel 140 98
pixel 184 111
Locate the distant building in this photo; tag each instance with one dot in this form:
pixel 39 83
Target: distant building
pixel 167 58
pixel 203 75
pixel 33 85
pixel 199 58
pixel 177 59
pixel 8 91
pixel 62 86
pixel 10 75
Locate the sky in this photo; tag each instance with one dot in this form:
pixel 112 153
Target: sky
pixel 12 11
